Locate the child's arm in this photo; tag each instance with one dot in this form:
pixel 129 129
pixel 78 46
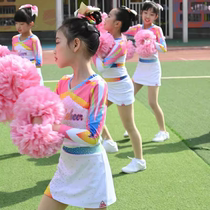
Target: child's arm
pixel 118 51
pixel 95 122
pixel 37 48
pixel 161 43
pixel 132 31
pixel 13 43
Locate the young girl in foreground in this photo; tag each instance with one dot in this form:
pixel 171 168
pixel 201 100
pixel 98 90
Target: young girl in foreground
pixel 83 177
pixel 27 44
pixel 148 71
pixel 120 87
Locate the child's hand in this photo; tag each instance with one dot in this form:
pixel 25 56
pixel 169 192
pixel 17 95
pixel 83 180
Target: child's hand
pixel 36 120
pixel 56 127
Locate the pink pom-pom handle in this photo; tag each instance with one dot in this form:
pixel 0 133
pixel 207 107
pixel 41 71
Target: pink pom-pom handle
pixel 145 43
pixel 17 74
pixel 130 50
pixel 37 141
pixel 106 44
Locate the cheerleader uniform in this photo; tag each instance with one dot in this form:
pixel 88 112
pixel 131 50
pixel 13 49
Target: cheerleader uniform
pixel 31 49
pixel 83 177
pixel 148 70
pixel 114 72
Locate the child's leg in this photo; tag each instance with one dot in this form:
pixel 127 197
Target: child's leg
pixel 137 87
pixel 127 117
pixel 40 74
pixel 153 102
pixel 49 203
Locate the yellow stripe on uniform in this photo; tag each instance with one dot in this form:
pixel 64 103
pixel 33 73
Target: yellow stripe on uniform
pixel 76 99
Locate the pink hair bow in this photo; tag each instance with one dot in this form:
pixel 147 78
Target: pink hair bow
pixel 34 9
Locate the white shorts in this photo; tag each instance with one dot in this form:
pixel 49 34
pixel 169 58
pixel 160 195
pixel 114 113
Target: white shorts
pixel 40 74
pixel 121 92
pixel 148 74
pixel 83 180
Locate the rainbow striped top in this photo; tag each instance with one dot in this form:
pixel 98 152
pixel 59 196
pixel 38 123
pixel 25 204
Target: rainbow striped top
pixel 113 66
pixel 160 39
pixel 85 106
pixel 29 48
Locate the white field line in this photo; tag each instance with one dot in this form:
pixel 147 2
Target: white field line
pixel 182 77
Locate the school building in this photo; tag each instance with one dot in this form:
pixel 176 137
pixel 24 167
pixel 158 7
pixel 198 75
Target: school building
pixel 179 19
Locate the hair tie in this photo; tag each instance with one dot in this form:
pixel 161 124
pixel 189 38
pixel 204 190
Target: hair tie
pixel 159 7
pixel 130 10
pixel 34 9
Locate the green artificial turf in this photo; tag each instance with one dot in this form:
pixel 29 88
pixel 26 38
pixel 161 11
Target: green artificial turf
pixel 176 176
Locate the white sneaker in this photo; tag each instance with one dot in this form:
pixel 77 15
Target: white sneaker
pixel 125 134
pixel 161 136
pixel 110 146
pixel 134 166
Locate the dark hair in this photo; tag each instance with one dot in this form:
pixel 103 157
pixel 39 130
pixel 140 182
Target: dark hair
pixel 151 5
pixel 81 28
pixel 24 15
pixel 125 17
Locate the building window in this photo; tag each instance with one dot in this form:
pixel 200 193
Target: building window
pixel 192 17
pixel 7 9
pixel 206 17
pixel 7 22
pixel 202 6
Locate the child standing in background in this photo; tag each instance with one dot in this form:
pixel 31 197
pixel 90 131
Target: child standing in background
pixel 120 86
pixel 27 44
pixel 148 70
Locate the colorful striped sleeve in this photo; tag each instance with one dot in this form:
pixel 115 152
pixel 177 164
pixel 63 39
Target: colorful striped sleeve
pixel 37 48
pixel 95 122
pixel 14 40
pixel 118 51
pixel 132 30
pixel 161 43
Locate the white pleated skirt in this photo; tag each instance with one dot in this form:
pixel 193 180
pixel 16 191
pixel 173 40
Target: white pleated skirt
pixel 121 92
pixel 83 180
pixel 148 74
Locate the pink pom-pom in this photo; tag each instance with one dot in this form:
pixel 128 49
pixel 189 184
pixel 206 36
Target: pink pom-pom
pixel 16 75
pixel 106 44
pixel 37 141
pixel 100 26
pixel 145 43
pixel 130 50
pixel 4 51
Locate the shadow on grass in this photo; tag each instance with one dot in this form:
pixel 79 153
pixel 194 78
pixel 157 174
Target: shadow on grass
pixel 46 161
pixel 197 143
pixel 200 142
pixel 8 156
pixel 155 148
pixel 12 198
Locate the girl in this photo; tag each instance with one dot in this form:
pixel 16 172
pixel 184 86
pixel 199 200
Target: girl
pixel 148 71
pixel 26 44
pixel 120 87
pixel 83 177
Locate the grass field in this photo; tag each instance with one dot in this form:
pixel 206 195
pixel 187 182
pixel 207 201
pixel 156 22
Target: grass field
pixel 178 173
